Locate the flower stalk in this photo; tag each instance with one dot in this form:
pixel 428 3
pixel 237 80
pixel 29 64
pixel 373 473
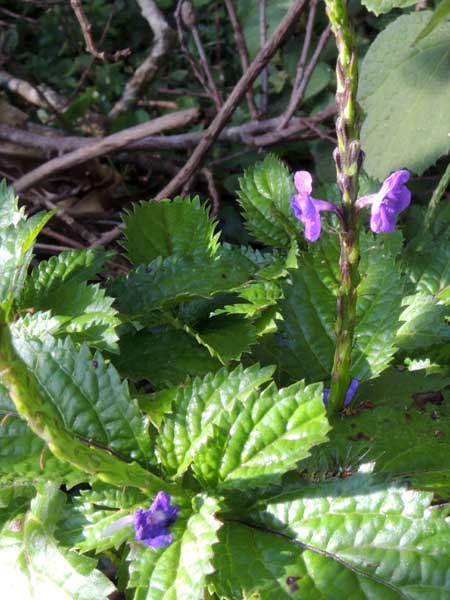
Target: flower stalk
pixel 348 159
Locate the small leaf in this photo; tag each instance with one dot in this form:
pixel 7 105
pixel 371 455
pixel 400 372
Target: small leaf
pixel 265 194
pixel 179 227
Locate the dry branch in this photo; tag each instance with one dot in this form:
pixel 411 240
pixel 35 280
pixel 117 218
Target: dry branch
pixel 108 144
pixel 164 36
pixel 221 119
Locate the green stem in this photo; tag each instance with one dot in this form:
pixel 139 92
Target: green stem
pixel 348 161
pixel 431 213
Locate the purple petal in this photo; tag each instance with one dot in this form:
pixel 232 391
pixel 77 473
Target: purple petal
pixel 160 541
pixel 326 396
pixel 303 182
pixel 396 180
pixel 306 211
pixel 351 391
pixel 150 525
pixel 383 219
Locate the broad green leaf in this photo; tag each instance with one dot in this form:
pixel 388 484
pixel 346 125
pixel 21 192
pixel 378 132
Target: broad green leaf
pixel 441 12
pixel 36 405
pixel 256 297
pixel 181 227
pixel 227 337
pixel 405 429
pixel 250 563
pixel 428 266
pixel 258 440
pixel 92 401
pixel 23 455
pixel 394 134
pixel 32 565
pixel 304 345
pixel 384 6
pixel 167 282
pixel 195 408
pixel 163 355
pixel 378 311
pixel 362 539
pixel 424 323
pixel 179 571
pixel 265 194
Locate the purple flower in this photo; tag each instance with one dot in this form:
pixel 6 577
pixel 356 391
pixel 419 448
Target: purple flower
pixel 306 208
pixel 348 396
pixel 150 525
pixel 392 199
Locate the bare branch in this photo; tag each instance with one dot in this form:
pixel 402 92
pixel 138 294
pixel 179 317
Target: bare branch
pixel 298 92
pixel 86 29
pixel 41 96
pixel 163 37
pixel 108 144
pixel 264 72
pixel 219 122
pixel 243 53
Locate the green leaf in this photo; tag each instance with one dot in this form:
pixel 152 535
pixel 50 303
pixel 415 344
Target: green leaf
pixel 428 266
pixel 179 571
pixel 163 355
pixel 363 539
pixel 441 12
pixel 256 441
pixel 84 311
pixel 32 565
pixel 17 235
pixel 378 310
pixel 250 563
pixel 227 337
pixel 161 229
pixel 196 406
pixel 304 345
pixel 394 103
pixel 405 430
pixel 167 282
pixel 424 323
pixel 265 194
pixel 380 7
pixel 88 394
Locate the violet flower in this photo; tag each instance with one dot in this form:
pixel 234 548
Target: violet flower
pixel 150 526
pixel 306 208
pixel 348 396
pixel 392 199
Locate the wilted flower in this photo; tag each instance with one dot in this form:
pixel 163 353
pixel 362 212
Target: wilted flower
pixel 150 526
pixel 392 199
pixel 306 208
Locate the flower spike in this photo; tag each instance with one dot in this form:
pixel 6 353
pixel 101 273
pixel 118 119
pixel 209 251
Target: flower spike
pixel 306 208
pixel 386 204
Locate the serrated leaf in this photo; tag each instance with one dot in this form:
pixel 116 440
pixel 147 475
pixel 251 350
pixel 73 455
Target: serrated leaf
pixel 378 312
pixel 17 235
pixel 428 266
pixel 380 7
pixel 167 282
pixel 179 571
pixel 265 194
pixel 163 355
pixel 32 565
pixel 227 337
pixel 424 323
pixel 365 539
pixel 393 102
pixel 250 563
pixel 160 229
pixel 406 432
pixel 87 393
pixel 196 406
pixel 84 311
pixel 259 439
